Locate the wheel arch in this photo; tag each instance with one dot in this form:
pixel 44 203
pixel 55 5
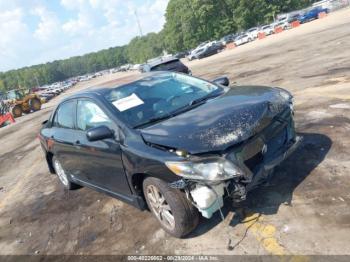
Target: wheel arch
pixel 138 178
pixel 137 182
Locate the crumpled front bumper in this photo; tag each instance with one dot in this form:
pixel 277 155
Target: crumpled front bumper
pixel 267 167
pixel 283 154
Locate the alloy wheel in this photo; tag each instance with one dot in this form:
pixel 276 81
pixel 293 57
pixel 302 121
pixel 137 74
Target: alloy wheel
pixel 160 207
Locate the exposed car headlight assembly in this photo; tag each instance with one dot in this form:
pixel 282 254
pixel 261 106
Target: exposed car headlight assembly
pixel 289 98
pixel 291 104
pixel 285 95
pixel 212 169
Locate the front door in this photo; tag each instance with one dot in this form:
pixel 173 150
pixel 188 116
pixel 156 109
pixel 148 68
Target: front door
pixel 100 161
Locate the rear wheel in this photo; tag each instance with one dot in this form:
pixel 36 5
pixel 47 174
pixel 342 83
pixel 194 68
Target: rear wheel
pixel 17 111
pixel 35 104
pixel 175 213
pixel 62 175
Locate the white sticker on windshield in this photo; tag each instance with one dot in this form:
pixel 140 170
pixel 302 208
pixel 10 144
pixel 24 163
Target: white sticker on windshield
pixel 127 102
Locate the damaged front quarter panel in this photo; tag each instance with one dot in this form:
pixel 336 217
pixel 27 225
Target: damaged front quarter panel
pixel 207 197
pixel 256 157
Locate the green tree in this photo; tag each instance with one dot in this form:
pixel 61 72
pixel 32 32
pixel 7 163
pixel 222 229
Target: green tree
pixel 188 23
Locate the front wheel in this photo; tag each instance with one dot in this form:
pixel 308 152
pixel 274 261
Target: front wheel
pixel 175 213
pixel 17 111
pixel 35 104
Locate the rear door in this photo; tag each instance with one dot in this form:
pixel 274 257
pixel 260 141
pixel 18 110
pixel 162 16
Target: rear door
pixel 64 136
pixel 100 162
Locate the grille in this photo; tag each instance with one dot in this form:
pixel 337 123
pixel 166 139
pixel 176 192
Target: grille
pixel 254 161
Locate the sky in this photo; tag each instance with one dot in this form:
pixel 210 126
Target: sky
pixel 40 31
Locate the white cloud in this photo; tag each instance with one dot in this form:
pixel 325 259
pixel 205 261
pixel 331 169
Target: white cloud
pixel 41 34
pixel 48 26
pixel 73 4
pixel 14 35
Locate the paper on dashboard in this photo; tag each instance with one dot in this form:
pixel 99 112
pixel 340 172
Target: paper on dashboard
pixel 128 102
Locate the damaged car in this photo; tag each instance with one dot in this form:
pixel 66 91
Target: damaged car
pixel 171 143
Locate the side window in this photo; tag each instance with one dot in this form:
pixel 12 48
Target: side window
pixel 64 116
pixel 90 115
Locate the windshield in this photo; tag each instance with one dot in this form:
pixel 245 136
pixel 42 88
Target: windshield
pixel 14 94
pixel 157 96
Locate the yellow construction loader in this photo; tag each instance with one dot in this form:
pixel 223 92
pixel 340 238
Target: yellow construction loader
pixel 23 102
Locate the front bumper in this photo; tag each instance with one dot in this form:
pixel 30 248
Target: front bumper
pixel 256 159
pixel 266 168
pixel 208 197
pixel 285 153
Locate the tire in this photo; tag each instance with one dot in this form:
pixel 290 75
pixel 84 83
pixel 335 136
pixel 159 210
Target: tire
pixel 35 104
pixel 183 215
pixel 62 175
pixel 17 111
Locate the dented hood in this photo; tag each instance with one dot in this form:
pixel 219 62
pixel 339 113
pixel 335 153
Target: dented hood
pixel 221 122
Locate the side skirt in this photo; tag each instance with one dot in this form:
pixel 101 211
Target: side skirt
pixel 135 201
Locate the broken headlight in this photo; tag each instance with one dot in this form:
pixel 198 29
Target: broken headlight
pixel 208 169
pixel 289 98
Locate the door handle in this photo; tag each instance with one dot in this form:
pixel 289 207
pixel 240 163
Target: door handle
pixel 77 142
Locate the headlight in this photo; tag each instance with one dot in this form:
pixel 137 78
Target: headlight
pixel 285 95
pixel 209 169
pixel 291 104
pixel 288 97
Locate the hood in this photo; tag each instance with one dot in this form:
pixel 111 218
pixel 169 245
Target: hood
pixel 221 122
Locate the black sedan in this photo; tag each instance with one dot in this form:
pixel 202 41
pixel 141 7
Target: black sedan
pixel 170 142
pixel 172 64
pixel 206 51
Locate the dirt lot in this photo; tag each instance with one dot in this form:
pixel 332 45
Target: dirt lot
pixel 304 210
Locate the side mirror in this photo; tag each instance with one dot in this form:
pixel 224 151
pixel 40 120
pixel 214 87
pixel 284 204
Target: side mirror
pixel 99 133
pixel 223 80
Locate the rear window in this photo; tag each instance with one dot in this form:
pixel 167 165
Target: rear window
pixel 166 66
pixel 64 116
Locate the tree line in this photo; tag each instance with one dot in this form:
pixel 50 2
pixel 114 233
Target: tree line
pixel 188 23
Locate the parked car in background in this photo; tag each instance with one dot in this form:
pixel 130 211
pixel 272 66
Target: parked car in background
pixel 212 49
pixel 194 53
pixel 285 25
pixel 312 14
pixel 167 64
pixel 227 39
pixel 207 50
pixel 242 39
pixel 176 144
pixel 284 20
pixel 267 29
pixel 252 33
pixel 295 17
pixel 181 54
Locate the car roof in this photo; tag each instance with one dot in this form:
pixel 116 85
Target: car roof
pixel 163 61
pixel 96 92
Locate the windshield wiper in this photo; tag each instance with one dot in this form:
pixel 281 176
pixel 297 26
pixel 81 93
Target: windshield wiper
pixel 154 119
pixel 203 99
